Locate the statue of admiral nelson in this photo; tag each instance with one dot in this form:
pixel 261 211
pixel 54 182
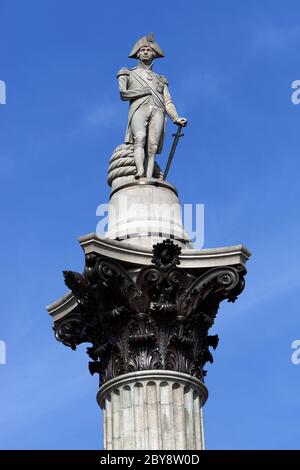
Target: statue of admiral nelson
pixel 150 102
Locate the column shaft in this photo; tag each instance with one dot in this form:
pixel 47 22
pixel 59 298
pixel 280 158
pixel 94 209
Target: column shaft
pixel 159 410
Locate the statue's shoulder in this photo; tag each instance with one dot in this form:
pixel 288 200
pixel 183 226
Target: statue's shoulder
pixel 164 79
pixel 123 71
pixel 133 69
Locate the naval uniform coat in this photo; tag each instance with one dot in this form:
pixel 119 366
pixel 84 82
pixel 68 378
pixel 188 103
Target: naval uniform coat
pixel 134 84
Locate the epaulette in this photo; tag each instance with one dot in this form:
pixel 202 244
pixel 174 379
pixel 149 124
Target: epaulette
pixel 123 71
pixel 164 79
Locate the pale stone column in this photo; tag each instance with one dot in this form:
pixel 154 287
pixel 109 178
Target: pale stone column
pixel 154 409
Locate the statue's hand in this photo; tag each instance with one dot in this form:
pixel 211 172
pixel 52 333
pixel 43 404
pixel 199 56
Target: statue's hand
pixel 181 121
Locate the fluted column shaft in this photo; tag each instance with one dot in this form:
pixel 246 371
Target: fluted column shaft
pixel 155 409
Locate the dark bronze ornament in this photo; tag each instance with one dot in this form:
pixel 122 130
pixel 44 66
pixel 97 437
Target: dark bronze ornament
pixel 158 318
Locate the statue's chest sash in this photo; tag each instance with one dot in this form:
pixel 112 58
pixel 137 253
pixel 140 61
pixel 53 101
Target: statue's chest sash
pixel 151 79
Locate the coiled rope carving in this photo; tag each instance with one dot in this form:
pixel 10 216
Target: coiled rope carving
pixel 122 164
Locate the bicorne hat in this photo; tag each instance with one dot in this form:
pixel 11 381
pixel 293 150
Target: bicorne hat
pixel 146 41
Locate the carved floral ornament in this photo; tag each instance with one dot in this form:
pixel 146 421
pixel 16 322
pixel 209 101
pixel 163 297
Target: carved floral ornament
pixel 158 318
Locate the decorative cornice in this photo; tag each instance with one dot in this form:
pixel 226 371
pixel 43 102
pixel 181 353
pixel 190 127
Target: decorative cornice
pixel 135 256
pixel 189 258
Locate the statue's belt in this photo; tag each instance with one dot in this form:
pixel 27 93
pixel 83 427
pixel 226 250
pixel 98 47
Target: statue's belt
pixel 139 79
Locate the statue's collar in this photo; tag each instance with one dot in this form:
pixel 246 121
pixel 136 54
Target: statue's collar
pixel 144 67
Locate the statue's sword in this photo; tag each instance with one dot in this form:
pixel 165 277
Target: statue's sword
pixel 175 142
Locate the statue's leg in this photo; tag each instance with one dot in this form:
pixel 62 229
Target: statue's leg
pixel 155 130
pixel 138 126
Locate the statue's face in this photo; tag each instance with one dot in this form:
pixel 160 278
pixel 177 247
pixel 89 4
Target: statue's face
pixel 146 54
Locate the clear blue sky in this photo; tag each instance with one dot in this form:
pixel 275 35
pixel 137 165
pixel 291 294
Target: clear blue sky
pixel 230 67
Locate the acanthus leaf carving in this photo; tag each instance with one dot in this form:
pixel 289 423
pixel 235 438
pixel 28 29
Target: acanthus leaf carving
pixel 157 319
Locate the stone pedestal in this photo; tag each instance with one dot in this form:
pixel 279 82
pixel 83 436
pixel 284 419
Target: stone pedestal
pixel 146 212
pixel 154 409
